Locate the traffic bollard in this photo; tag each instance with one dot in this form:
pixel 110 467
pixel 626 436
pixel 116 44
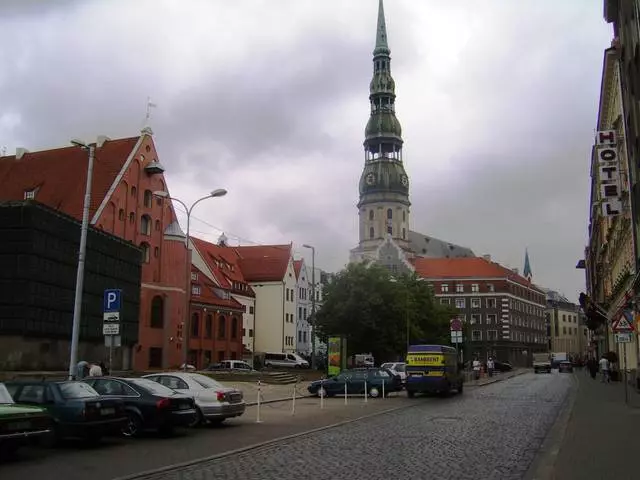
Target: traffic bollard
pixel 365 391
pixel 321 394
pixel 293 402
pixel 345 393
pixel 258 403
pixel 383 382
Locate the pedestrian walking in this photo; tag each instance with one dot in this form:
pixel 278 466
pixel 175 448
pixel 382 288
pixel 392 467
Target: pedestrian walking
pixel 490 366
pixel 95 371
pixel 476 369
pixel 605 368
pixel 82 369
pixel 592 367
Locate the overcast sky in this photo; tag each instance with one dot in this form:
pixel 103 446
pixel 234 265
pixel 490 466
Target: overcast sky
pixel 269 98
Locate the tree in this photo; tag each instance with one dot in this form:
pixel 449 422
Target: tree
pixel 372 309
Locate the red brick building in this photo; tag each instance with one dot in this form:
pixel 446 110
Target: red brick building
pixel 502 312
pixel 126 172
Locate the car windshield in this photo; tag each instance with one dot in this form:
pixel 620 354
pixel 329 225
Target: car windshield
pixel 153 387
pixel 77 390
pixel 401 367
pixel 205 381
pixel 387 365
pixel 5 396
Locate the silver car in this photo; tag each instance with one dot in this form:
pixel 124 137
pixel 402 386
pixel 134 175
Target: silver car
pixel 397 368
pixel 215 402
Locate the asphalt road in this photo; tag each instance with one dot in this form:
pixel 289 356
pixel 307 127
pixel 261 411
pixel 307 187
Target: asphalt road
pixel 491 432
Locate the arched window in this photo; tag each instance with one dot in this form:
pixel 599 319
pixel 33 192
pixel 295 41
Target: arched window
pixel 389 214
pixel 389 229
pixel 145 225
pixel 134 192
pixel 234 327
pixel 222 327
pixel 371 232
pixel 371 214
pixel 208 326
pixel 145 252
pixel 148 198
pixel 132 218
pixel 157 312
pixel 121 214
pixel 195 325
pixel 158 225
pixel 404 234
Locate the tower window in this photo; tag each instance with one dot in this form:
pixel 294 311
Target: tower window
pixel 390 230
pixel 404 234
pixel 371 214
pixel 389 214
pixel 371 232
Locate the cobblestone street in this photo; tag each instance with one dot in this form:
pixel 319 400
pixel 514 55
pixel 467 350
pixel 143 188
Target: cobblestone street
pixel 492 432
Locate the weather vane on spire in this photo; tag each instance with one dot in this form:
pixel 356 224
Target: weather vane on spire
pixel 150 105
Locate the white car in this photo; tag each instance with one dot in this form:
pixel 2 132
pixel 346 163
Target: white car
pixel 397 368
pixel 214 402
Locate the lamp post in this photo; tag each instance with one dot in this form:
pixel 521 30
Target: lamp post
pixel 82 253
pixel 220 192
pixel 313 304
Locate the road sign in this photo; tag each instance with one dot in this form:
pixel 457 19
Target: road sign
pixel 111 317
pixel 456 325
pixel 112 300
pixel 623 337
pixel 112 341
pixel 624 323
pixel 456 336
pixel 111 328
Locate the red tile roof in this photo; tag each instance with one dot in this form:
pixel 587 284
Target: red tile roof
pixel 60 175
pixel 209 296
pixel 297 265
pixel 223 263
pixel 465 267
pixel 264 263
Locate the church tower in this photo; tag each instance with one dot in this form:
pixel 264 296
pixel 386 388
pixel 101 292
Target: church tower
pixel 383 208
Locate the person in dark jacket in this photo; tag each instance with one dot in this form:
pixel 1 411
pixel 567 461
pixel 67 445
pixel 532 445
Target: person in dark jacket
pixel 592 365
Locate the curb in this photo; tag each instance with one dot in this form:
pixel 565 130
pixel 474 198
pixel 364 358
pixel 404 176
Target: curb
pixel 218 456
pixel 284 399
pixel 500 379
pixel 543 466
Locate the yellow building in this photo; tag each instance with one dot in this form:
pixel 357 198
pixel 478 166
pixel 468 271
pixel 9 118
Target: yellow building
pixel 566 327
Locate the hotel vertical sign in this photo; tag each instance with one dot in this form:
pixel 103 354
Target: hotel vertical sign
pixel 609 170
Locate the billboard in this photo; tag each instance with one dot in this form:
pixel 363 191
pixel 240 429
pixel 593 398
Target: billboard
pixel 609 172
pixel 337 355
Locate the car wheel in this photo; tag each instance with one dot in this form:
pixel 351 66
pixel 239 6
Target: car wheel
pixel 322 392
pixel 132 427
pixel 374 392
pixel 410 394
pixel 199 420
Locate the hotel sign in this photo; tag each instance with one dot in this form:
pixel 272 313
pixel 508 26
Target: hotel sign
pixel 609 169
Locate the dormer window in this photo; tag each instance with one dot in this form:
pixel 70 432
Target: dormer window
pixel 30 194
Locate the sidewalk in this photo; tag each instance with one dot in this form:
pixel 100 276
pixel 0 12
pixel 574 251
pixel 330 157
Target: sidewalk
pixel 497 377
pixel 601 435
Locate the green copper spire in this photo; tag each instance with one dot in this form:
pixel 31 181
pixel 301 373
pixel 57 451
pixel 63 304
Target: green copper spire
pixel 527 266
pixel 382 48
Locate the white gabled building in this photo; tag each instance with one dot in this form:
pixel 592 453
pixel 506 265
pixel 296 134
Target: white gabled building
pixel 303 307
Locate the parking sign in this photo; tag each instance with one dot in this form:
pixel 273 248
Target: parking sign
pixel 112 300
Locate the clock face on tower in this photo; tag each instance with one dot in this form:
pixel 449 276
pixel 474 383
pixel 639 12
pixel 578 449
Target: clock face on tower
pixel 370 179
pixel 405 180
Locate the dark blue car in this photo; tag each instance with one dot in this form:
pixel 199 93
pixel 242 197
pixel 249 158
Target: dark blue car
pixel 357 381
pixel 77 409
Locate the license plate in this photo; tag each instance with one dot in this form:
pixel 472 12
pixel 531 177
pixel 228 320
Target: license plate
pixel 415 374
pixel 19 426
pixel 107 411
pixel 184 406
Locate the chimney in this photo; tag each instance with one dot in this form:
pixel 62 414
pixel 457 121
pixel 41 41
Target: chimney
pixel 487 257
pixel 20 152
pixel 101 140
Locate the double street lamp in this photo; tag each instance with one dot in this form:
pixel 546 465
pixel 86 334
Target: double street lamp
pixel 220 192
pixel 313 304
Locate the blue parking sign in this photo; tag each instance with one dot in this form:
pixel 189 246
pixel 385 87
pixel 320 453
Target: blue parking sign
pixel 112 300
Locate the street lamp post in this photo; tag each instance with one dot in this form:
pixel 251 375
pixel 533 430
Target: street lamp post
pixel 220 192
pixel 313 305
pixel 82 253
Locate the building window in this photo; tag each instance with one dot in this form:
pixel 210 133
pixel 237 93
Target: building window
pixel 121 214
pixel 250 332
pixel 475 303
pixel 145 252
pixel 460 303
pixel 195 289
pixel 286 291
pixel 157 312
pixel 148 198
pixel 145 225
pixel 475 287
pixel 234 327
pixel 404 233
pixel 389 214
pixel 134 192
pixel 299 335
pixel 492 335
pixel 222 327
pixel 208 326
pixel 444 288
pixel 371 232
pixel 492 319
pixel 491 303
pixel 390 229
pixel 476 335
pixel 250 310
pixel 476 319
pixel 491 287
pixel 195 325
pixel 445 301
pixel 158 225
pixel 304 336
pixel 194 276
pixel 155 357
pixel 371 215
pixel 132 218
pixel 156 252
pixel 460 288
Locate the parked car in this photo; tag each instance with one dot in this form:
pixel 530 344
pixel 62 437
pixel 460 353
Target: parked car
pixel 148 404
pixel 235 365
pixel 77 409
pixel 565 367
pixel 502 366
pixel 214 402
pixel 397 368
pixel 357 381
pixel 284 360
pixel 20 424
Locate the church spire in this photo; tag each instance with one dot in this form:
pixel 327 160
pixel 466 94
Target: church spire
pixel 527 266
pixel 381 35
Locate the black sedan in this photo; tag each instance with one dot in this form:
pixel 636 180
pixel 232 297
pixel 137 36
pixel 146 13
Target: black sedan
pixel 148 405
pixel 357 381
pixel 77 409
pixel 565 367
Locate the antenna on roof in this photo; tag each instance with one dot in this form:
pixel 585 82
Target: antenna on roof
pixel 147 116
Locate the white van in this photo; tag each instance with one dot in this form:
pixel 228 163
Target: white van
pixel 284 360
